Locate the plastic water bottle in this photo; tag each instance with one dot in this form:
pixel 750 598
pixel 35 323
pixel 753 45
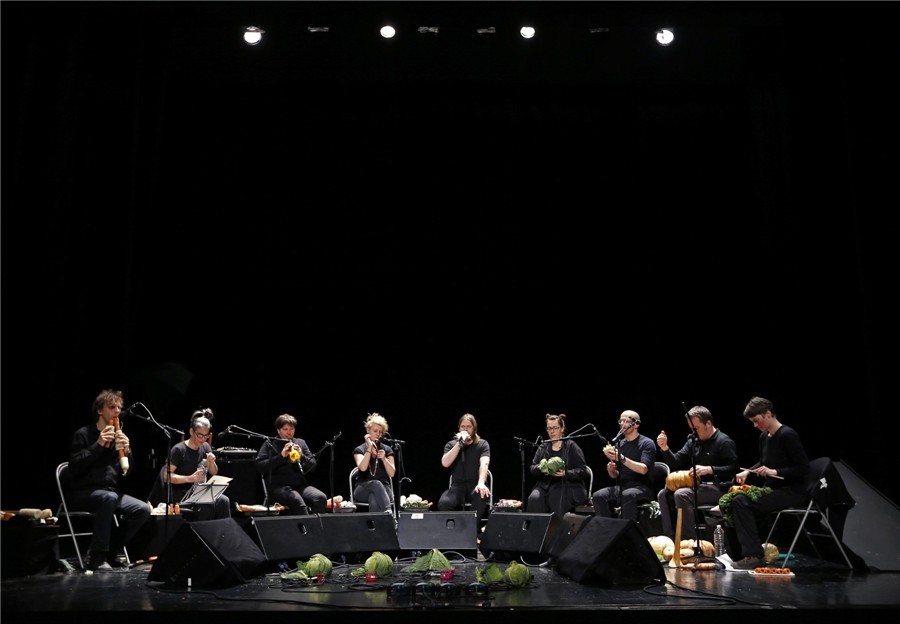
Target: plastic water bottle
pixel 719 540
pixel 204 465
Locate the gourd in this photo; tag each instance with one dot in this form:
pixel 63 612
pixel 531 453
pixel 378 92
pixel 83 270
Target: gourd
pixel 679 479
pixel 659 543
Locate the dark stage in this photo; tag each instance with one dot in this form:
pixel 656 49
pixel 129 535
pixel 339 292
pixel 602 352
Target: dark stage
pixel 331 224
pixel 620 579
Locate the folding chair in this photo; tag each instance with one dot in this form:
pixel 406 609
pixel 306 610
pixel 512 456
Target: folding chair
pixel 587 508
pixel 490 485
pixel 828 499
pixel 73 517
pixel 353 475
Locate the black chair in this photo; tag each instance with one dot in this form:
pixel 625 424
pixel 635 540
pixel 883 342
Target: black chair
pixel 825 512
pixel 649 518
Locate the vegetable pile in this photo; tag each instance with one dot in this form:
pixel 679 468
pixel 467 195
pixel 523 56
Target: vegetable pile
pixel 755 492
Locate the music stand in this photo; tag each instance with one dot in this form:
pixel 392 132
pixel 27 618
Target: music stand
pixel 208 492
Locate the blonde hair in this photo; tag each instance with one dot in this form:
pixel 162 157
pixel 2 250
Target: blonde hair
pixel 376 419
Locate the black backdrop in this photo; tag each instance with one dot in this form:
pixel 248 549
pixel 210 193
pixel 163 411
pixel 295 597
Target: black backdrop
pixel 331 224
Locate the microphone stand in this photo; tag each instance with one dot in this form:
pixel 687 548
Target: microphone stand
pixel 574 436
pixel 399 470
pixel 330 444
pixel 268 441
pixel 522 443
pixel 168 431
pixel 617 442
pixel 698 556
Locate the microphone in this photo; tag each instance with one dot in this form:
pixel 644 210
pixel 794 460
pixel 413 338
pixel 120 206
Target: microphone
pixel 337 436
pixel 622 433
pixel 597 433
pixel 128 410
pixel 227 430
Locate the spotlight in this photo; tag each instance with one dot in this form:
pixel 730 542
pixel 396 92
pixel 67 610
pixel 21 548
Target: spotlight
pixel 388 32
pixel 253 35
pixel 664 36
pixel 527 32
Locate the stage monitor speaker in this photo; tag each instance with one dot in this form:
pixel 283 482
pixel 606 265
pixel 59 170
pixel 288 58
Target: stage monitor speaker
pixel 207 553
pixel 287 539
pixel 611 551
pixel 444 530
pixel 357 535
pixel 510 535
pixel 569 527
pixel 153 536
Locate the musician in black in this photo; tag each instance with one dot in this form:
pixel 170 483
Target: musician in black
pixel 468 457
pixel 375 462
pixel 284 463
pixel 713 454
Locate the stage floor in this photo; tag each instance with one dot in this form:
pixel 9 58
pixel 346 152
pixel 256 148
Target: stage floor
pixel 818 587
pixel 128 595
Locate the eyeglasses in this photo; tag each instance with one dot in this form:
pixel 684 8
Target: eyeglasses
pixel 625 421
pixel 205 436
pixel 553 428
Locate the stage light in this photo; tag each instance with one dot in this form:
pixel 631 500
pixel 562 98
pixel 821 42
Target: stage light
pixel 253 35
pixel 387 32
pixel 664 36
pixel 527 32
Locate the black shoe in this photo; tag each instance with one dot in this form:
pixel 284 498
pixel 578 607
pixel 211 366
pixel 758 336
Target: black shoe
pixel 748 563
pixel 115 562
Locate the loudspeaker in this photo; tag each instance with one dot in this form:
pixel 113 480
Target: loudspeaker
pixel 444 530
pixel 207 553
pixel 611 550
pixel 569 527
pixel 357 535
pixel 153 536
pixel 287 538
pixel 511 535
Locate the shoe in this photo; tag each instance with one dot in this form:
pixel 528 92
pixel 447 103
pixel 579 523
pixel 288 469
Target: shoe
pixel 99 566
pixel 748 563
pixel 115 562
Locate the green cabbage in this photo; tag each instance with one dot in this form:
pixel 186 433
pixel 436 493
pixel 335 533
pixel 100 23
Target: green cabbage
pixel 430 561
pixel 380 564
pixel 490 573
pixel 549 466
pixel 318 565
pixel 517 574
pixel 555 464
